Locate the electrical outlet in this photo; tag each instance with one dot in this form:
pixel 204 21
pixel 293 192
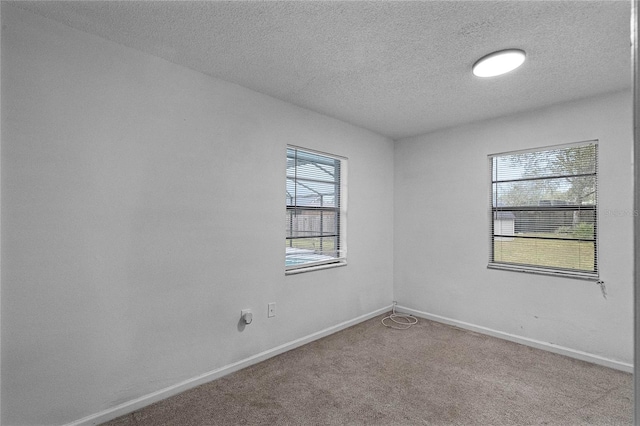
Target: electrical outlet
pixel 272 310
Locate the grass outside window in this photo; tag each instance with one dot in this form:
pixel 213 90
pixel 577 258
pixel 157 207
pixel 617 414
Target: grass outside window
pixel 544 210
pixel 570 255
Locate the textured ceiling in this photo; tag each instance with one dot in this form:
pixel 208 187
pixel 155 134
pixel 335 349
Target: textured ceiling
pixel 397 68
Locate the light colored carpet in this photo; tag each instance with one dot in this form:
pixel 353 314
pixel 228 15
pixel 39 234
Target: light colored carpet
pixel 430 374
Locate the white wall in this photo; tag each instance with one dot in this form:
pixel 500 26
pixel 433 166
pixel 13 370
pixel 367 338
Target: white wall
pixel 442 271
pixel 142 209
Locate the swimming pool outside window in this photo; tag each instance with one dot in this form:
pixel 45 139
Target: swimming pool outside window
pixel 315 210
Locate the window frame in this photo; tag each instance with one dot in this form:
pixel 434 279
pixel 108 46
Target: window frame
pixel 545 269
pixel 340 210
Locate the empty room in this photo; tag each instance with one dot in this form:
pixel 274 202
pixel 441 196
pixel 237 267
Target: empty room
pixel 458 238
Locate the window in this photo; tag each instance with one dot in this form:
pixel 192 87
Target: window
pixel 544 210
pixel 316 210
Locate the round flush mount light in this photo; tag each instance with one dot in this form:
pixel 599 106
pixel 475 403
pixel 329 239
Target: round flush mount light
pixel 498 63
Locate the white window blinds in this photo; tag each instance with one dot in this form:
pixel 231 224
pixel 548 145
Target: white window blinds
pixel 544 210
pixel 314 207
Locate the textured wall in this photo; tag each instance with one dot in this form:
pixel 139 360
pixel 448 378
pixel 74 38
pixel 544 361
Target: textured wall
pixel 142 209
pixel 442 270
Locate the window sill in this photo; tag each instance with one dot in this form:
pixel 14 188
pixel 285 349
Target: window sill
pixel 314 268
pixel 542 271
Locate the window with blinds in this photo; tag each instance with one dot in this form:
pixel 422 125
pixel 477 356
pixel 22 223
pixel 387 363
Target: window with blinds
pixel 544 210
pixel 315 209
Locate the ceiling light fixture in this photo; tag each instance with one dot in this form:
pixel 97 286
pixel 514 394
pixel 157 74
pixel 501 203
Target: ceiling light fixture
pixel 498 63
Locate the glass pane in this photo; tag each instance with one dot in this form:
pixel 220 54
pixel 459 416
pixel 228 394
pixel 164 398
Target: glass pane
pixel 308 250
pixel 312 179
pixel 579 190
pixel 310 223
pixel 574 160
pixel 308 165
pixel 311 194
pixel 571 255
pixel 318 245
pixel 566 224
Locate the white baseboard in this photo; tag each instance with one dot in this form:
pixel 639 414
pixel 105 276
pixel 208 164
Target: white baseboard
pixel 584 356
pixel 136 404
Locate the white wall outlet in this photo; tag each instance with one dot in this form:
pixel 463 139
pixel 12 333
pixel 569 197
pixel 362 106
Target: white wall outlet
pixel 272 310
